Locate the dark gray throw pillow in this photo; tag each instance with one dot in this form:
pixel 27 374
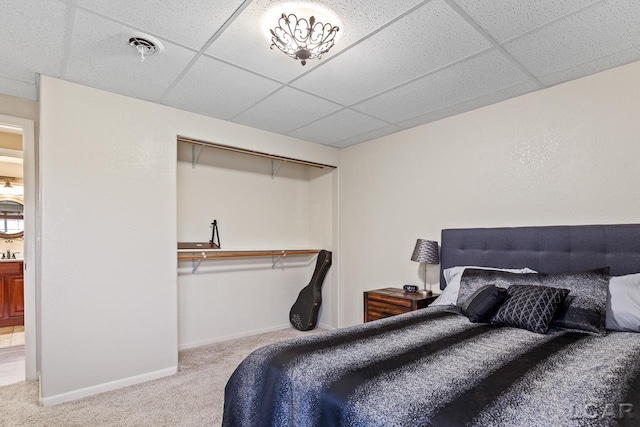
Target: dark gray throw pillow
pixel 583 310
pixel 483 304
pixel 530 307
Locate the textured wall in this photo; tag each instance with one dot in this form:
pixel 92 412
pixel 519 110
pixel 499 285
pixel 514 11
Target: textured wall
pixel 109 299
pixel 564 155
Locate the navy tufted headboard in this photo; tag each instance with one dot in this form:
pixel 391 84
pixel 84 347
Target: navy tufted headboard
pixel 553 249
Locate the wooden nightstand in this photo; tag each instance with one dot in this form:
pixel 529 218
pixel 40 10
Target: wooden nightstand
pixel 392 301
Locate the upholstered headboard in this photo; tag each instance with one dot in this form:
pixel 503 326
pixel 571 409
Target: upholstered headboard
pixel 553 249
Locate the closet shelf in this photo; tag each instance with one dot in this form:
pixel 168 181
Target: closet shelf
pixel 198 145
pixel 276 254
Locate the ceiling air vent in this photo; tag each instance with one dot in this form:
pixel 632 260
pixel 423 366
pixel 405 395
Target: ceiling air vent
pixel 145 45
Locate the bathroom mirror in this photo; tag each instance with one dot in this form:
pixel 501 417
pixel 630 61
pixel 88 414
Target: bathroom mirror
pixel 11 217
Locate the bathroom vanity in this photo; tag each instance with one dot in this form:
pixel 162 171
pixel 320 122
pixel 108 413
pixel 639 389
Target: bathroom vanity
pixel 11 293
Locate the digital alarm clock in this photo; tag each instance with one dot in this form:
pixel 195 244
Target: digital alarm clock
pixel 410 288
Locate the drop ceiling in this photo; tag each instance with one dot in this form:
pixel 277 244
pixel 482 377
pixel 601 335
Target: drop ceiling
pixel 397 63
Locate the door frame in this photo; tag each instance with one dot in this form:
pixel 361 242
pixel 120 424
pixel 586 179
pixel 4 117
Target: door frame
pixel 31 264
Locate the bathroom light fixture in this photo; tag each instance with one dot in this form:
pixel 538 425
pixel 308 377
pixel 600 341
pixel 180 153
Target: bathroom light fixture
pixel 8 188
pixel 303 39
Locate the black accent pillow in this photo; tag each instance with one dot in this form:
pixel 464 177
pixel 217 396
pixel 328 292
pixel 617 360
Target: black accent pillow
pixel 530 307
pixel 484 303
pixel 583 310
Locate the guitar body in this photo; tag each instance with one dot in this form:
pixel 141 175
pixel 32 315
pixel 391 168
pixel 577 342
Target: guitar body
pixel 304 312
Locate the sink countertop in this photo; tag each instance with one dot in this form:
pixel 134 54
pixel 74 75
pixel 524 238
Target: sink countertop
pixel 12 260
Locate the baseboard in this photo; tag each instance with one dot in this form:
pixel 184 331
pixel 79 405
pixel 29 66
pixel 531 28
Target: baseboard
pixel 101 388
pixel 325 326
pixel 242 335
pixel 232 337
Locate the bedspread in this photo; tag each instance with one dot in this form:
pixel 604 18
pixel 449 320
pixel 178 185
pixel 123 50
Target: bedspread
pixel 435 368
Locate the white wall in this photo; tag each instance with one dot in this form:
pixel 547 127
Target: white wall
pixel 231 298
pixel 109 308
pixel 565 155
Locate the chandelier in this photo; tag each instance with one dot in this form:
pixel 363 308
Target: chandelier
pixel 302 39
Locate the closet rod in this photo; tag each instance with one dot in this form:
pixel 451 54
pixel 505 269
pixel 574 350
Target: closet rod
pixel 247 254
pixel 254 153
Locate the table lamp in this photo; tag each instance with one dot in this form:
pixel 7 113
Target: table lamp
pixel 427 252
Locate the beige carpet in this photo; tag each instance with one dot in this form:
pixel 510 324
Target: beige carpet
pixel 192 397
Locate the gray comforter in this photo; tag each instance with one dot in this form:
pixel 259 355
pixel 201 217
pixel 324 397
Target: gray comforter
pixel 434 368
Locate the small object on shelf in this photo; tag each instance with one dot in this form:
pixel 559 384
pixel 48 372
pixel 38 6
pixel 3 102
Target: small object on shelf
pixel 410 288
pixel 197 245
pixel 215 233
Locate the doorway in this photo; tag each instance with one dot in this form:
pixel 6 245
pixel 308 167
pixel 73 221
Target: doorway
pixel 18 330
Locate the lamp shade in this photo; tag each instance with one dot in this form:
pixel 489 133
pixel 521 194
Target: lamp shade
pixel 426 251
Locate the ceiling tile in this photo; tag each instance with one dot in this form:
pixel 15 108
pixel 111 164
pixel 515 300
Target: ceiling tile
pixel 468 105
pixel 190 22
pixel 604 63
pixel 597 31
pixel 504 19
pixel 286 110
pixel 246 42
pixel 378 133
pixel 338 126
pixel 32 38
pixel 426 39
pixel 18 89
pixel 217 89
pixel 485 73
pixel 101 57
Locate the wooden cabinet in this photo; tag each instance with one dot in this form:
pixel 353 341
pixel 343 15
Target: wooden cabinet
pixel 391 301
pixel 11 294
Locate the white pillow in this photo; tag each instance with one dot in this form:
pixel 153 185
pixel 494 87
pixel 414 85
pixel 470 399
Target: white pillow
pixel 623 303
pixel 452 276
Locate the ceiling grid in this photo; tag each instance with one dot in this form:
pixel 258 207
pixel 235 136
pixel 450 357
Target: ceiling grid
pixel 395 65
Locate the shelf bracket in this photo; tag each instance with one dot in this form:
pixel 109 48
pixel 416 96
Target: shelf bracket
pixel 195 154
pixel 196 263
pixel 274 173
pixel 282 255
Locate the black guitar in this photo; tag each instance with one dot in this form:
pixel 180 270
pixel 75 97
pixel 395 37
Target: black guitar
pixel 304 312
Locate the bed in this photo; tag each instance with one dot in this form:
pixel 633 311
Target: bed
pixel 433 367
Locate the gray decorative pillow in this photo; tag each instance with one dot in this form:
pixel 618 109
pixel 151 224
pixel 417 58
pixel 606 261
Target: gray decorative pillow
pixel 530 307
pixel 583 310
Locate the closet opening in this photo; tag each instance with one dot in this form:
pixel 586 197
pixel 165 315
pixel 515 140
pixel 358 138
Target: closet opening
pixel 275 213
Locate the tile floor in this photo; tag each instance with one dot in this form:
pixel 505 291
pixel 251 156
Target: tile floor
pixel 11 354
pixel 11 336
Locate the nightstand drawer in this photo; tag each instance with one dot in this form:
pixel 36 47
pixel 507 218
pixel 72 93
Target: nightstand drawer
pixel 386 299
pixel 386 309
